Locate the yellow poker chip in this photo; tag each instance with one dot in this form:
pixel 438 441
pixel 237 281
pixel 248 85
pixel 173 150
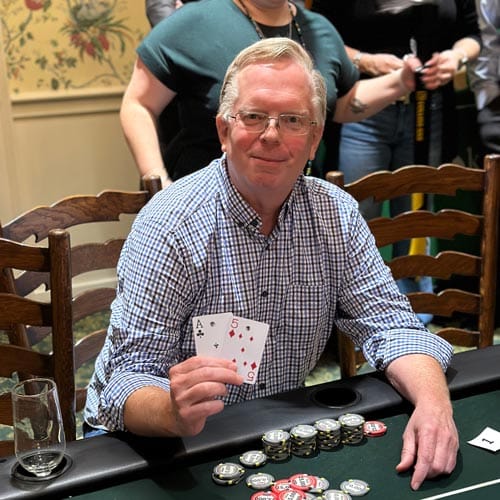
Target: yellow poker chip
pixel 374 428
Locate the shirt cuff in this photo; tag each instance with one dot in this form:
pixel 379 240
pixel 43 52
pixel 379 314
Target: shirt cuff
pixel 381 350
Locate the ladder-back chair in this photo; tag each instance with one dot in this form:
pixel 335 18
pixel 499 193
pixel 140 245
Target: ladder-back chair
pixel 87 257
pixel 54 261
pixel 478 305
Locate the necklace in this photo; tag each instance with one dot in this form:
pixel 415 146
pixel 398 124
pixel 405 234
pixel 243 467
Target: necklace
pixel 293 21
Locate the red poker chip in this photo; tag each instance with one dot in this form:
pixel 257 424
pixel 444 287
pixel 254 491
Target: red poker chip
pixel 281 485
pixel 374 428
pixel 303 482
pixel 264 495
pixel 292 495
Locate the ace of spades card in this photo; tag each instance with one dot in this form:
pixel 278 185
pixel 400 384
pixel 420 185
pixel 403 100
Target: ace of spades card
pixel 244 345
pixel 209 333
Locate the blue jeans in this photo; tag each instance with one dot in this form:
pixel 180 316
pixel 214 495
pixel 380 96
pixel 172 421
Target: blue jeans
pixel 385 142
pixel 89 431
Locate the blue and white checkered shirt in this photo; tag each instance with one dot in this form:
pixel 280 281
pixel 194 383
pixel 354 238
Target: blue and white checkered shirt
pixel 196 249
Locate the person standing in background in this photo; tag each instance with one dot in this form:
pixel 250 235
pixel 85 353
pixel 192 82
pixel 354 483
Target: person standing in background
pixel 156 10
pixel 377 35
pixel 187 54
pixel 484 76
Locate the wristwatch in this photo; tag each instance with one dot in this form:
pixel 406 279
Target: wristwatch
pixel 463 60
pixel 357 57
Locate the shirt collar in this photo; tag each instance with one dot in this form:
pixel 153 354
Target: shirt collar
pixel 242 213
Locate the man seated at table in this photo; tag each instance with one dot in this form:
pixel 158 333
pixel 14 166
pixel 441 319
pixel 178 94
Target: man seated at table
pixel 251 235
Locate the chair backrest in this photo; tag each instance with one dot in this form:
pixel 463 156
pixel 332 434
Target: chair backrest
pixel 54 260
pixel 87 257
pixel 447 224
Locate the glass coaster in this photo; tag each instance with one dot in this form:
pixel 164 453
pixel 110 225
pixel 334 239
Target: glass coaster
pixel 20 473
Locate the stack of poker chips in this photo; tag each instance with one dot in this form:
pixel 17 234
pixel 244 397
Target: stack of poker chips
pixel 351 425
pixel 329 433
pixel 227 473
pixel 303 440
pixel 276 444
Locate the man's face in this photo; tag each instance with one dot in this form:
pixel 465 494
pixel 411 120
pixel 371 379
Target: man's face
pixel 268 163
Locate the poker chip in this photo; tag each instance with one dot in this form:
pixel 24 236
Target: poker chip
pixel 303 482
pixel 355 487
pixel 228 470
pixel 291 495
pixel 263 495
pixel 281 485
pixel 227 474
pixel 374 428
pixel 226 482
pixel 303 440
pixel 276 444
pixel 351 425
pixel 329 433
pixel 260 481
pixel 322 484
pixel 253 459
pixel 335 495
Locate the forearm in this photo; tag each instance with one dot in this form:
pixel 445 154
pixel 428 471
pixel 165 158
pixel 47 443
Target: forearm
pixel 139 128
pixel 368 97
pixel 148 412
pixel 468 48
pixel 420 379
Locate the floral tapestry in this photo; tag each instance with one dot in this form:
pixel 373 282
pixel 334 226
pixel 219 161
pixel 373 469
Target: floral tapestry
pixel 59 45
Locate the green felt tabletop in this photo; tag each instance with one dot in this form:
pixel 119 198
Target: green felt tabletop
pixel 373 460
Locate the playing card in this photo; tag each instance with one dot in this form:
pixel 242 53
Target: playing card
pixel 489 439
pixel 209 333
pixel 244 344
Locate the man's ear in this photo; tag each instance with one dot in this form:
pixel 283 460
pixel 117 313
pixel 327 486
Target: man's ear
pixel 317 135
pixel 222 131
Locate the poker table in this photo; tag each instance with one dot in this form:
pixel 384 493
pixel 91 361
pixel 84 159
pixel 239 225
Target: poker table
pixel 122 466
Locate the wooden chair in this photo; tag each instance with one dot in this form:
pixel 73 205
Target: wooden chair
pixel 87 257
pixel 449 224
pixel 54 260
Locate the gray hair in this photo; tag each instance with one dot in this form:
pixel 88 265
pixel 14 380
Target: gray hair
pixel 269 50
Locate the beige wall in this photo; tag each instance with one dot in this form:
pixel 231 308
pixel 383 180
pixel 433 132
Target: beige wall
pixel 59 126
pixel 69 145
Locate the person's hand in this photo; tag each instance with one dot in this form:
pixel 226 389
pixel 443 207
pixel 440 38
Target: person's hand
pixel 411 64
pixel 440 69
pixel 196 386
pixel 379 64
pixel 430 442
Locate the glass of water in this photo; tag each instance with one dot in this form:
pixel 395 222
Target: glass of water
pixel 38 428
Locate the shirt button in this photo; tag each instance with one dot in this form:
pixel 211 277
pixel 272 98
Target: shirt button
pixel 264 294
pixel 262 386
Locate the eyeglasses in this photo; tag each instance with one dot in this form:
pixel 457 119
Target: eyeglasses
pixel 289 124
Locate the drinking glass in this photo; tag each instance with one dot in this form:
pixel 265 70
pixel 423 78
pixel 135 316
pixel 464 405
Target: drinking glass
pixel 38 428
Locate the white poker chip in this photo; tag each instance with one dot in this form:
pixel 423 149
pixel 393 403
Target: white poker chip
pixel 335 495
pixel 260 481
pixel 355 487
